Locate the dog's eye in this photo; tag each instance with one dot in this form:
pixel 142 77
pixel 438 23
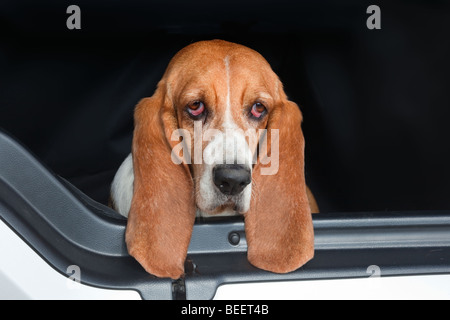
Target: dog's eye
pixel 196 109
pixel 258 110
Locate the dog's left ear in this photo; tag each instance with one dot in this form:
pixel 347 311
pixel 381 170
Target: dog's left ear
pixel 279 226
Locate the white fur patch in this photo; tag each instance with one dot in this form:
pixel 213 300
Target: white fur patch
pixel 123 186
pixel 228 122
pixel 227 146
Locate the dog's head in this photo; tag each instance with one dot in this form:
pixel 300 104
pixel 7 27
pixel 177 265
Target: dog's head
pixel 222 95
pixel 219 135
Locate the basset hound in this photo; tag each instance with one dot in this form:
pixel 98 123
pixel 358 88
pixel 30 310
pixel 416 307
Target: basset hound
pixel 218 137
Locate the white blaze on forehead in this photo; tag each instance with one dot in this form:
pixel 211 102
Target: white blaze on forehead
pixel 228 121
pixel 227 145
pixel 235 146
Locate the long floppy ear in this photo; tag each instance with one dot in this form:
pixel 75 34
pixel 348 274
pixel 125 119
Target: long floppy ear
pixel 279 225
pixel 162 212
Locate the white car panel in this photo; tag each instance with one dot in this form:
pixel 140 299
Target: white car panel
pixel 429 287
pixel 25 275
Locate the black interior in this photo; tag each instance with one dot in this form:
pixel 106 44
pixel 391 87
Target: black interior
pixel 376 102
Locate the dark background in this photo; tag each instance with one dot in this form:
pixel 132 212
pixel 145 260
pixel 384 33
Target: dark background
pixel 376 103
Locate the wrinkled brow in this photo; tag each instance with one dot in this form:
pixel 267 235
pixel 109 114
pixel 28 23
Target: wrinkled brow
pixel 192 94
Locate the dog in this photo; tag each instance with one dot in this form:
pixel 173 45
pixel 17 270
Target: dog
pixel 192 156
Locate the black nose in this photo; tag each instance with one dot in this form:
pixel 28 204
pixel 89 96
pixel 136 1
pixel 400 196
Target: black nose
pixel 231 179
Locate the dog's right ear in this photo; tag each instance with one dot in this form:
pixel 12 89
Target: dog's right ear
pixel 162 211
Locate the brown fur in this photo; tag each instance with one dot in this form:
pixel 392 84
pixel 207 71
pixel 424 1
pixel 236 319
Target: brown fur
pixel 162 213
pixel 278 225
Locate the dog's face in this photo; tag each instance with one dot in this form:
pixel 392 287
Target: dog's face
pixel 213 99
pixel 222 97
